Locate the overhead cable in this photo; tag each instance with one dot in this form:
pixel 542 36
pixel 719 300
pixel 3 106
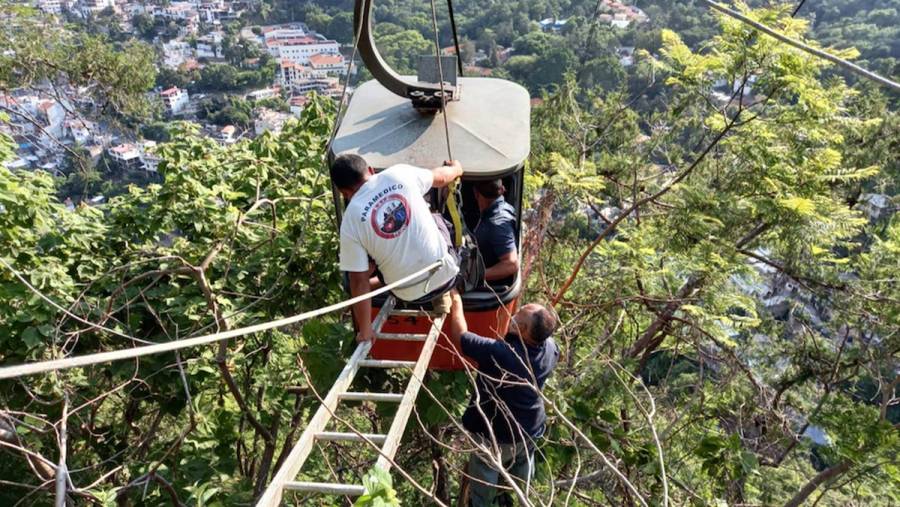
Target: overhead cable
pixel 452 202
pixel 21 370
pixel 804 47
pixel 459 62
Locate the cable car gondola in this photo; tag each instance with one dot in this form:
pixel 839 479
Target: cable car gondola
pixel 397 119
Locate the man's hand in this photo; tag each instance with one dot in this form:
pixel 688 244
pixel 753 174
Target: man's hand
pixel 447 173
pixel 365 335
pixel 455 164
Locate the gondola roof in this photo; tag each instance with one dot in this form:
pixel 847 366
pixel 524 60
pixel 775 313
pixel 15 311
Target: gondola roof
pixel 489 128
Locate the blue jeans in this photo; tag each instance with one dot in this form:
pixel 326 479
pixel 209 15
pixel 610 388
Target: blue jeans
pixel 516 459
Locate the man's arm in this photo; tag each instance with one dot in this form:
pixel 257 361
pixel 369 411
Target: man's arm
pixel 482 350
pixel 362 311
pixel 445 174
pixel 459 326
pixel 508 266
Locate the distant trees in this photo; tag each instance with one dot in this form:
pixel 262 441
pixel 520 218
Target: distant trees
pixel 872 27
pixel 605 73
pixel 543 68
pixel 340 27
pixel 537 43
pixel 223 77
pixel 402 48
pixel 156 131
pixel 144 25
pixel 169 77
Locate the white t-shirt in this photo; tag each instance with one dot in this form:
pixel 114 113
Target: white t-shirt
pixel 389 220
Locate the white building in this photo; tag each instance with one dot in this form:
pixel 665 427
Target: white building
pixel 552 24
pixel 176 52
pixel 290 73
pixel 136 156
pixel 51 6
pixel 226 135
pixel 286 31
pixel 268 119
pixel 322 85
pixel 209 46
pixel 149 159
pixel 175 99
pixel 128 154
pixel 626 55
pixel 90 7
pixel 620 21
pixel 53 116
pixel 185 11
pixel 79 130
pixel 325 64
pixel 300 49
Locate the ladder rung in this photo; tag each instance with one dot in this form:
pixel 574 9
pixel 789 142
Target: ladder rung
pixel 402 337
pixel 396 398
pixel 328 488
pixel 378 363
pixel 334 436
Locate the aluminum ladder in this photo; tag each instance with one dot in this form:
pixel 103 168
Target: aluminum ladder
pixel 284 479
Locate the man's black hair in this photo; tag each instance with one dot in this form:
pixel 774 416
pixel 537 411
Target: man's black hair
pixel 490 189
pixel 543 324
pixel 348 171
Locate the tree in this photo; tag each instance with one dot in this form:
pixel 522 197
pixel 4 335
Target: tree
pixel 402 48
pixel 605 72
pixel 467 51
pixel 169 77
pixel 537 43
pixel 38 235
pixel 144 25
pixel 340 27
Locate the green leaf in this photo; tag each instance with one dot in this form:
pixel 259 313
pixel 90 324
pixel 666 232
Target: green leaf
pixel 32 337
pixel 799 205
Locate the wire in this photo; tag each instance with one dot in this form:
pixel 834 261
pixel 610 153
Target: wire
pixel 459 62
pixel 440 64
pixel 337 115
pixel 804 47
pixel 452 203
pixel 116 355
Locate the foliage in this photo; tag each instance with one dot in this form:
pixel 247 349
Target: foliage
pixel 113 75
pixel 222 77
pixel 259 211
pixel 379 490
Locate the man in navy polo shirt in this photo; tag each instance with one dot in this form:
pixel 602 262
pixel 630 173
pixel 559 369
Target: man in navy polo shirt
pixel 506 412
pixel 496 233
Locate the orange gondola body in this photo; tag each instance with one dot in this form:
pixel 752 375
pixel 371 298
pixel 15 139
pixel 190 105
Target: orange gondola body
pixel 490 322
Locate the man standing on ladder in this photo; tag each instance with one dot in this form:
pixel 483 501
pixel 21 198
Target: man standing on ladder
pixel 506 413
pixel 388 220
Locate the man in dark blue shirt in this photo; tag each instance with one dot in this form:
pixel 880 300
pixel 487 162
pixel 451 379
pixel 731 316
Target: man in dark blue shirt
pixel 496 233
pixel 506 412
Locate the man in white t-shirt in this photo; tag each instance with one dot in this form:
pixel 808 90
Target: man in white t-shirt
pixel 388 220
